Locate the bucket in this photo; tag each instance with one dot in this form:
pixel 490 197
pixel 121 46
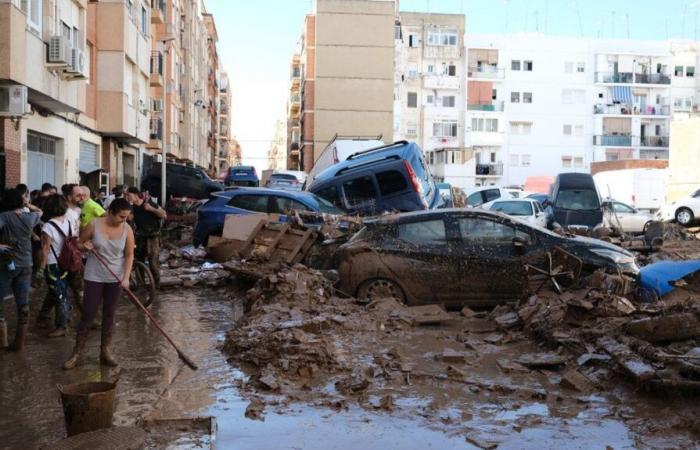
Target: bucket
pixel 87 406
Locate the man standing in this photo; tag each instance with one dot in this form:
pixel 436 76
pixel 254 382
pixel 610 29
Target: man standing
pixel 148 217
pixel 91 210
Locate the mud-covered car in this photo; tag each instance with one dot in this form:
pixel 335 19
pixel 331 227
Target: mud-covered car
pixel 459 256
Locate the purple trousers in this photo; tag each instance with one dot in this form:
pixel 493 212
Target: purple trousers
pixel 95 293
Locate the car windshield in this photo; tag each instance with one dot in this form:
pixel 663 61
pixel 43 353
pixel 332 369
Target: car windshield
pixel 327 207
pixel 513 208
pixel 578 199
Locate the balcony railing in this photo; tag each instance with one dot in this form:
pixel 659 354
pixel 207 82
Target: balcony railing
pixel 654 141
pixel 486 71
pixel 156 63
pixel 488 106
pixel 614 140
pixel 158 11
pixel 494 169
pixel 655 110
pixel 156 132
pixel 632 78
pixel 433 81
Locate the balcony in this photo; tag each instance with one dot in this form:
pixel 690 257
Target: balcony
pixel 442 51
pixel 632 78
pixel 621 109
pixel 294 105
pixel 158 11
pixel 156 78
pixel 490 106
pixel 654 141
pixel 486 71
pixel 614 140
pixel 156 134
pixel 432 81
pixel 489 170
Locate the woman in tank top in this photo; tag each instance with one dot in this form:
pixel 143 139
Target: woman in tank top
pixel 112 238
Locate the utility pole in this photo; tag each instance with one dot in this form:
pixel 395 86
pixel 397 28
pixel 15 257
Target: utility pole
pixel 164 150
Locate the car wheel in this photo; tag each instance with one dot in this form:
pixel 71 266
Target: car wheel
pixel 684 216
pixel 646 226
pixel 379 288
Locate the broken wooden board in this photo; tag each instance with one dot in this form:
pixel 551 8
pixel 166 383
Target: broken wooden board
pixel 627 359
pixel 673 327
pixel 426 315
pixel 281 242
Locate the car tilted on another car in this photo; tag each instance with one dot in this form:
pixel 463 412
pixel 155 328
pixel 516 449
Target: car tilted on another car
pixel 527 209
pixel 458 256
pixel 684 211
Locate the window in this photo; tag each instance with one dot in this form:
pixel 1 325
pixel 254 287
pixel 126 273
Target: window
pixel 690 71
pixel 397 32
pixel 144 21
pixel 568 67
pixel 514 208
pixel 622 208
pixel 34 11
pixel 566 162
pixel 429 99
pixel 491 126
pixel 525 160
pixel 475 199
pixel 412 100
pixel 578 199
pixel 494 94
pixel 522 128
pixel 430 232
pixel 527 66
pixel 578 162
pixel 491 194
pixel 445 129
pixel 578 130
pixel 360 193
pixel 515 97
pixel 678 71
pixel 442 37
pixel 332 195
pixel 477 231
pixel 567 130
pixel 515 65
pixel 448 101
pixel 580 67
pixel 391 181
pixel 256 203
pixel 283 205
pixel 451 70
pixel 413 40
pixel 527 97
pixel 431 68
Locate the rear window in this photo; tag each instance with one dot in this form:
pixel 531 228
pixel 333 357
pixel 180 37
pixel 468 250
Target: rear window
pixel 513 208
pixel 491 194
pixel 578 199
pixel 360 193
pixel 391 181
pixel 475 199
pixel 325 206
pixel 283 176
pixel 256 203
pixel 430 232
pixel 332 195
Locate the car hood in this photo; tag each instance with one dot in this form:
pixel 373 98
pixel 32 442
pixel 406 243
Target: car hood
pixel 597 243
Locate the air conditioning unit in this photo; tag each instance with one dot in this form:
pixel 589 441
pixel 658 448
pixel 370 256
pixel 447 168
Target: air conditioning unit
pixel 78 65
pixel 59 51
pixel 13 101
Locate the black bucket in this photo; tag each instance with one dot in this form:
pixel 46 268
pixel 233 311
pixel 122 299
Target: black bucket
pixel 87 406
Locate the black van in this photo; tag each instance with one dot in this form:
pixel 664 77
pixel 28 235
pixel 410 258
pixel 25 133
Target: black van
pixel 575 202
pixel 389 178
pixel 181 181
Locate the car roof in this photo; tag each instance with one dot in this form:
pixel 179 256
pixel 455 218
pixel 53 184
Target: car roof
pixel 575 180
pixel 519 200
pixel 397 150
pixel 474 212
pixel 230 192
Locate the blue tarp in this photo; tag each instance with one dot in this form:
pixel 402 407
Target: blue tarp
pixel 658 277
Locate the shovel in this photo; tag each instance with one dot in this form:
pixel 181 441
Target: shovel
pixel 135 300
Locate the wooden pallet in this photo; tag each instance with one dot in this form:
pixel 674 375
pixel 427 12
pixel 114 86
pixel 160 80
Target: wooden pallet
pixel 281 242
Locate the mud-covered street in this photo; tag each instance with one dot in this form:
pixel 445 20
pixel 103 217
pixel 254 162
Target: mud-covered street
pixel 488 404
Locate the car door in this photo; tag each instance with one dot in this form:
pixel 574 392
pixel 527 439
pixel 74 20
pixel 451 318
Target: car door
pixel 540 215
pixel 491 265
pixel 427 264
pixel 629 220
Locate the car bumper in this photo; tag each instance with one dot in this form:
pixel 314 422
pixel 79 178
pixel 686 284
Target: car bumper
pixel 664 216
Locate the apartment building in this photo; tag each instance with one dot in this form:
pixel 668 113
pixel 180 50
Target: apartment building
pixel 347 71
pixel 235 153
pixel 429 89
pixel 294 111
pixel 684 157
pixel 277 154
pixel 224 131
pixel 212 90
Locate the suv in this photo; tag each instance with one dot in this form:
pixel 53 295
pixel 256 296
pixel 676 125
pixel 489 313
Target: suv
pixel 181 181
pixel 389 178
pixel 242 176
pixel 575 202
pixel 483 196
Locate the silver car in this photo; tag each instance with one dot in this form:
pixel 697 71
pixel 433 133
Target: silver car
pixel 621 215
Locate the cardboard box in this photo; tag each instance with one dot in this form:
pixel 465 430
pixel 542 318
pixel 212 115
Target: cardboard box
pixel 222 249
pixel 241 227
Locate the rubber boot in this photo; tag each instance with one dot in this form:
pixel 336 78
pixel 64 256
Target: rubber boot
pixel 106 357
pixel 22 329
pixel 72 362
pixel 3 334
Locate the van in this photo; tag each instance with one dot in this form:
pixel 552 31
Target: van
pixel 338 150
pixel 575 202
pixel 242 176
pixel 389 178
pixel 181 181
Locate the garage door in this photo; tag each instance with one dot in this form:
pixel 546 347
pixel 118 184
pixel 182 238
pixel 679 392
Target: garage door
pixel 88 157
pixel 41 160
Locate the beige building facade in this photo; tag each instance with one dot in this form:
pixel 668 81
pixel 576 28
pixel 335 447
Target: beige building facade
pixel 684 157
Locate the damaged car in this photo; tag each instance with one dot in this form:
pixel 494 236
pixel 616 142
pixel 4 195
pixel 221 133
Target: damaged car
pixel 460 256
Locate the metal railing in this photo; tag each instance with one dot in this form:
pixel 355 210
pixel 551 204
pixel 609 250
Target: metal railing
pixel 156 129
pixel 486 106
pixel 485 71
pixel 654 141
pixel 632 78
pixel 614 140
pixel 622 109
pixel 495 169
pixel 156 63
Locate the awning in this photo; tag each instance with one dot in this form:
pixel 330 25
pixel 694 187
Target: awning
pixel 622 94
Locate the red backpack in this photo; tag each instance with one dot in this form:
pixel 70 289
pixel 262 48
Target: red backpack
pixel 71 258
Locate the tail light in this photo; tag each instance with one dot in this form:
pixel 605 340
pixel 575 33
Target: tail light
pixel 413 177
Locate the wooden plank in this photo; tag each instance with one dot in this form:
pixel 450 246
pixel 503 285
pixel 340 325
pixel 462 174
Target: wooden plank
pixel 294 252
pixel 280 235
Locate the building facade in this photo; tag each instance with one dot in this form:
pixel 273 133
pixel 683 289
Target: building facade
pixel 277 154
pixel 223 161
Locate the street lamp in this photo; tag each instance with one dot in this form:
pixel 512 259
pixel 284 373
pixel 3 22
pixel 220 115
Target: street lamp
pixel 163 160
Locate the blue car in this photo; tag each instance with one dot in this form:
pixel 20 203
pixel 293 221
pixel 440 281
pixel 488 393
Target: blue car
pixel 240 200
pixel 389 178
pixel 242 176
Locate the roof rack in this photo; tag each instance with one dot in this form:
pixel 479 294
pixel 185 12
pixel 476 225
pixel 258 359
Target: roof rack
pixel 365 163
pixel 364 152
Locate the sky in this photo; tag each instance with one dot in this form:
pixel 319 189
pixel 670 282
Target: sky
pixel 257 39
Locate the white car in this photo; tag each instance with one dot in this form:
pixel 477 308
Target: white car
pixel 482 197
pixel 684 211
pixel 621 215
pixel 526 209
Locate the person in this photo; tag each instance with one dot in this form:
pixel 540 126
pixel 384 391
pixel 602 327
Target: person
pixel 24 191
pixel 118 191
pixel 90 210
pixel 53 234
pixel 148 217
pixel 16 262
pixel 101 196
pixel 74 197
pixel 112 239
pixel 34 196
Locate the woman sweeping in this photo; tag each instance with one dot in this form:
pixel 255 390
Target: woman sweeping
pixel 112 238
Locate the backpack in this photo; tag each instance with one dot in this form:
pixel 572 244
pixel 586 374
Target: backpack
pixel 71 258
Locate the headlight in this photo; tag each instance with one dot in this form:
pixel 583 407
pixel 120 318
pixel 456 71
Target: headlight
pixel 615 256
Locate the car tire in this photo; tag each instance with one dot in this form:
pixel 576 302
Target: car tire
pixel 379 288
pixel 646 226
pixel 685 217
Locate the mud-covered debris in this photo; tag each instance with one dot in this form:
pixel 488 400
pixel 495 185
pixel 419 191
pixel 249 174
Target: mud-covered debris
pixel 480 441
pixel 426 315
pixel 494 338
pixel 509 366
pixel 573 379
pixel 452 356
pixel 385 403
pixel 352 384
pixel 629 361
pixel 673 327
pixel 467 312
pixel 480 326
pixel 255 409
pixel 269 382
pixel 541 360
